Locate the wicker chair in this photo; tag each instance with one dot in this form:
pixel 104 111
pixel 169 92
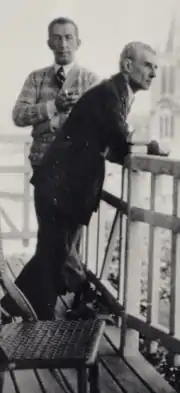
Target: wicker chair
pixel 51 345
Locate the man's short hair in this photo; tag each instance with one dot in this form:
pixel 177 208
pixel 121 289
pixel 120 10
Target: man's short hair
pixel 62 21
pixel 130 51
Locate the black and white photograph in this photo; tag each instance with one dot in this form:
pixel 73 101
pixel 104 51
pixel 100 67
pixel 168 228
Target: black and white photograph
pixel 90 196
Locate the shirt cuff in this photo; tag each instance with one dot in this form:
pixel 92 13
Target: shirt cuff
pixel 51 108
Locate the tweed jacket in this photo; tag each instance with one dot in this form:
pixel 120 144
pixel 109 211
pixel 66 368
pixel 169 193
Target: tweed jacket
pixel 72 172
pixel 31 110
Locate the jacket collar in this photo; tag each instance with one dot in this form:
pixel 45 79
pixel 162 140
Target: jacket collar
pixel 120 88
pixel 119 84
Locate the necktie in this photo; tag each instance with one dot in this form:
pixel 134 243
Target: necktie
pixel 60 77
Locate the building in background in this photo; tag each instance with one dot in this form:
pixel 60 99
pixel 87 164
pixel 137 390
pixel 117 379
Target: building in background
pixel 164 120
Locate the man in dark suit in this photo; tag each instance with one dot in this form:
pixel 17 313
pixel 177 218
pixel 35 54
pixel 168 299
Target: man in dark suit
pixel 71 174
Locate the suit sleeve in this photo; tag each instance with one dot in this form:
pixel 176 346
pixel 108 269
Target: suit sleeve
pixel 116 128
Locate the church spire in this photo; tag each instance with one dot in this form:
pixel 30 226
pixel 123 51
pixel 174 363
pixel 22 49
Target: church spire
pixel 173 41
pixel 170 41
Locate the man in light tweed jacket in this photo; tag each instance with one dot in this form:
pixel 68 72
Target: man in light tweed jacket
pixel 49 94
pixel 44 103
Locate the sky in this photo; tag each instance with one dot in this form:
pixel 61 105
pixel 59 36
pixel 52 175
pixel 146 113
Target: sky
pixel 105 27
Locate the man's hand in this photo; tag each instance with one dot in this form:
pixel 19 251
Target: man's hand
pixel 66 100
pixel 153 148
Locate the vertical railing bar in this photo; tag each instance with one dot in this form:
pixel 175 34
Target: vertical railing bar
pixel 95 240
pixel 150 251
pixel 2 267
pixel 120 235
pixel 128 221
pixel 173 259
pixel 110 239
pixel 2 258
pixel 98 238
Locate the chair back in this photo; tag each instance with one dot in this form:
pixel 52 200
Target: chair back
pixel 17 295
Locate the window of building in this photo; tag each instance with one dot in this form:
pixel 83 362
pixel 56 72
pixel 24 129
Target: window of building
pixel 166 126
pixel 168 80
pixel 171 83
pixel 161 121
pixel 172 126
pixel 163 80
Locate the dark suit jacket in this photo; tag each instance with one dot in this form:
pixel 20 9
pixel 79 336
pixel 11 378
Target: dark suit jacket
pixel 71 175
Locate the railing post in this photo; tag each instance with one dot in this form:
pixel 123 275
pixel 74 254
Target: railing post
pixel 175 271
pixel 154 262
pixel 132 268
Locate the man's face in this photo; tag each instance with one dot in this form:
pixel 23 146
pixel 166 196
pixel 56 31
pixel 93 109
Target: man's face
pixel 143 69
pixel 63 41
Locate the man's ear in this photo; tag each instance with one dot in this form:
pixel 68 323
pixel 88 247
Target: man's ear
pixel 78 42
pixel 127 65
pixel 49 42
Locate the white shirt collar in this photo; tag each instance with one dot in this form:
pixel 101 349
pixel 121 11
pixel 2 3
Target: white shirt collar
pixel 131 95
pixel 66 67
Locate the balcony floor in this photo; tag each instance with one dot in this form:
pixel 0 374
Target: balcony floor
pixel 130 375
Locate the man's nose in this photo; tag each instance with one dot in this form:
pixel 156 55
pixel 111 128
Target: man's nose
pixel 62 42
pixel 153 73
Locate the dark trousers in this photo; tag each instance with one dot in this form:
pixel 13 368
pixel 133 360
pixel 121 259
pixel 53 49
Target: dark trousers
pixel 41 279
